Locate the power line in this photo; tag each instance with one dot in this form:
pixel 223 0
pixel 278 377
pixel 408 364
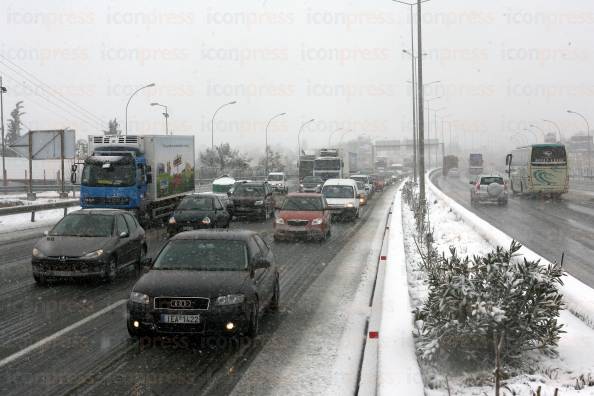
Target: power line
pixel 32 79
pixel 70 112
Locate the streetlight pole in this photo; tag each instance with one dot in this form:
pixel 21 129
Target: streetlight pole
pixel 420 104
pixel 330 137
pixel 556 126
pixel 212 123
pixel 166 115
pixel 540 130
pixel 129 99
pixel 429 122
pixel 589 142
pixel 266 148
pixel 2 92
pixel 299 138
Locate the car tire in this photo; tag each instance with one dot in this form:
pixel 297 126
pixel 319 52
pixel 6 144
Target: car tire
pixel 40 280
pixel 275 300
pixel 254 326
pixel 111 270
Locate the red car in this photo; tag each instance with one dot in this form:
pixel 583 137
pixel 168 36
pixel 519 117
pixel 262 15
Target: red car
pixel 303 215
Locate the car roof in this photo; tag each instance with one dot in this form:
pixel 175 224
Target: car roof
pixel 103 211
pixel 359 175
pixel 340 182
pixel 231 235
pixel 254 183
pixel 276 173
pixel 298 194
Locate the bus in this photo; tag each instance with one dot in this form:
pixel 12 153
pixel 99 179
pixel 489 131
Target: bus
pixel 538 169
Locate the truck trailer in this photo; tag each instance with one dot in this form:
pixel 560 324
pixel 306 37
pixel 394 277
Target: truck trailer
pixel 147 175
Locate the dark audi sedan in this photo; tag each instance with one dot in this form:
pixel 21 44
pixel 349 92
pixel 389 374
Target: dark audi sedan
pixel 206 282
pixel 89 243
pixel 198 211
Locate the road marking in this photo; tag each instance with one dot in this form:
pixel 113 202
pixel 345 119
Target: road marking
pixel 58 334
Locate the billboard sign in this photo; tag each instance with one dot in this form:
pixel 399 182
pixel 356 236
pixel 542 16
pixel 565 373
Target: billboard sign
pixel 46 144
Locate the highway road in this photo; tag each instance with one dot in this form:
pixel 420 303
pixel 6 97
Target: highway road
pixel 71 338
pixel 547 227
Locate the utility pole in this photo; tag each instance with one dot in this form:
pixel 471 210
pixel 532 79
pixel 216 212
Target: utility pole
pixel 420 106
pixel 2 92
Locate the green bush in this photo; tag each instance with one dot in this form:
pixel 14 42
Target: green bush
pixel 500 297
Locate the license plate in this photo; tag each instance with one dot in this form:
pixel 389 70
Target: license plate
pixel 180 319
pixel 297 228
pixel 187 228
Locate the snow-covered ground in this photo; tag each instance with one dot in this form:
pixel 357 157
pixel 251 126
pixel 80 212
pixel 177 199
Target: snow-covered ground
pixel 22 221
pixel 562 372
pixel 42 197
pixel 317 348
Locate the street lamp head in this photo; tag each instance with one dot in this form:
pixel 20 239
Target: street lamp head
pixel 282 114
pixel 233 102
pixel 571 112
pixel 151 85
pixel 155 104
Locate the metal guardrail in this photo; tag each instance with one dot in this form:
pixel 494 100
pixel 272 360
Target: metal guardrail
pixel 38 208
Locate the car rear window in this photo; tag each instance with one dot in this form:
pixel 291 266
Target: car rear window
pixel 492 179
pixel 203 255
pixel 249 191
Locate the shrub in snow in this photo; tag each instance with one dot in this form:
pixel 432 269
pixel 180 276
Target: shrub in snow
pixel 498 304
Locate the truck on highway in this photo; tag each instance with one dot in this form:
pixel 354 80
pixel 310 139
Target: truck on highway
pixel 147 175
pixel 475 164
pixel 306 166
pixel 449 162
pixel 332 164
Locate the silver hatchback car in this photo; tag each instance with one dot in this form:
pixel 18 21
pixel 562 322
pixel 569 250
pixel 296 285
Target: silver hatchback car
pixel 488 188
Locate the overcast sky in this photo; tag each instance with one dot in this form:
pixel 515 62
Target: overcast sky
pixel 502 65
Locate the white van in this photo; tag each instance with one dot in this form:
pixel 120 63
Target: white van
pixel 342 196
pixel 278 181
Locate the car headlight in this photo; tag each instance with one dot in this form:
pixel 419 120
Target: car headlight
pixel 37 253
pixel 318 186
pixel 139 298
pixel 349 205
pixel 94 254
pixel 230 299
pixel 206 220
pixel 259 203
pixel 317 221
pixel 301 185
pixel 172 220
pixel 280 220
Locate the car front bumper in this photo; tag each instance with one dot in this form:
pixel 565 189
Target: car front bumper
pixel 284 231
pixel 68 268
pixel 212 321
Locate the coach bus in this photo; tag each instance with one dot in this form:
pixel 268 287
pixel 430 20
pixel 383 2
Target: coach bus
pixel 538 169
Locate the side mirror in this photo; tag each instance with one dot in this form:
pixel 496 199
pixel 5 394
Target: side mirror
pixel 508 159
pixel 73 177
pixel 146 263
pixel 262 263
pixel 73 168
pixel 124 234
pixel 149 178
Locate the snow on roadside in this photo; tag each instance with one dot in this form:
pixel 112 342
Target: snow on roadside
pixel 22 221
pixel 540 370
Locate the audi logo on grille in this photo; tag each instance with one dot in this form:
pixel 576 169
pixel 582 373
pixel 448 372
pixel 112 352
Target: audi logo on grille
pixel 180 304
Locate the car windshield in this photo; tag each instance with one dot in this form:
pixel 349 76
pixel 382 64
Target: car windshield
pixel 196 203
pixel 303 203
pixel 492 179
pixel 84 225
pixel 107 174
pixel 275 177
pixel 243 190
pixel 312 179
pixel 203 255
pixel 338 191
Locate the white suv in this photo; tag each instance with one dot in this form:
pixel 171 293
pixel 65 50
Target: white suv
pixel 278 181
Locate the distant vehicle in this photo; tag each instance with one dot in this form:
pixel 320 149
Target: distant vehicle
pixel 449 162
pixel 381 164
pixel 343 197
pixel 311 184
pixel 367 181
pixel 89 243
pixel 147 174
pixel 278 181
pixel 475 164
pixel 378 182
pixel 205 282
pixel 238 182
pixel 306 166
pixel 222 184
pixel 539 169
pixel 195 211
pixel 331 164
pixel 253 199
pixel 454 172
pixel 303 215
pixel 488 188
pixel 363 198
